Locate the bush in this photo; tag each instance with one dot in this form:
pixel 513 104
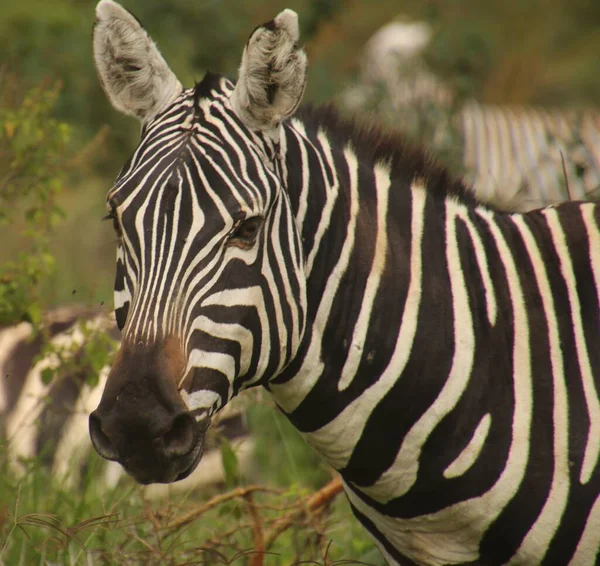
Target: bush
pixel 33 156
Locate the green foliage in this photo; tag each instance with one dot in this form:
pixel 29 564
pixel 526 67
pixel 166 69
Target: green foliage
pixel 462 60
pixel 33 148
pixel 90 350
pixel 230 463
pixel 45 522
pixel 193 36
pixel 282 455
pixel 517 51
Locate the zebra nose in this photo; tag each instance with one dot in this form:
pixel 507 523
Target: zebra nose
pixel 100 440
pixel 177 437
pixel 180 438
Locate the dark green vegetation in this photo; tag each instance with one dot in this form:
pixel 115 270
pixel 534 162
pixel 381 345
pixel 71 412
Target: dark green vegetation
pixel 61 145
pixel 33 148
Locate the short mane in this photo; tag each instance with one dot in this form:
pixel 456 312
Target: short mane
pixel 202 89
pixel 374 144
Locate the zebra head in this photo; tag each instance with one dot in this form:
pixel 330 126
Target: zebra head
pixel 210 291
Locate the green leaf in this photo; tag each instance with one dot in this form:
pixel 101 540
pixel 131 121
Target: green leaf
pixel 35 314
pixel 230 463
pixel 93 379
pixel 47 375
pixel 98 356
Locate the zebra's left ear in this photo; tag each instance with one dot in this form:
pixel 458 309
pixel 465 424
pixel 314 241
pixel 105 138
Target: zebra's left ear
pixel 133 73
pixel 272 75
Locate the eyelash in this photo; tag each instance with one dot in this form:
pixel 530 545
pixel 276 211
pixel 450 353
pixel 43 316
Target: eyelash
pixel 112 216
pixel 246 241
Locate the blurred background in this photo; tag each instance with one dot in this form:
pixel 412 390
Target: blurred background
pixel 517 51
pixel 61 147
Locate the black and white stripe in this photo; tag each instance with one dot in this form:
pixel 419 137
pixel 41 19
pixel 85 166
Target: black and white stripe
pixel 449 366
pixel 167 276
pixel 466 365
pixel 45 422
pixel 511 150
pixel 443 356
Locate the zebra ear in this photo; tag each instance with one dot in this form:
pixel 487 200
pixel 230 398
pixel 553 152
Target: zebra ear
pixel 272 75
pixel 135 77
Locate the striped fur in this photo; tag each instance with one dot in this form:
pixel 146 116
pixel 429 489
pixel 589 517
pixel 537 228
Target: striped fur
pixel 443 356
pixel 509 149
pixel 481 329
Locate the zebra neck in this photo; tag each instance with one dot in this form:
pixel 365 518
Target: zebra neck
pixel 398 283
pixel 363 236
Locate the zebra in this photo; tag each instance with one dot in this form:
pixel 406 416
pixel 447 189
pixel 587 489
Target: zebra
pixel 440 354
pixel 524 156
pixel 46 423
pixel 41 419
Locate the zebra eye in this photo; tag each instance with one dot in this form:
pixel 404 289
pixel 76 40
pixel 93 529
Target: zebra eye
pixel 245 234
pixel 112 216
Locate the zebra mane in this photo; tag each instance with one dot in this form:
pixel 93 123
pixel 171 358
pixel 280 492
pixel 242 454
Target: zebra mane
pixel 202 89
pixel 374 144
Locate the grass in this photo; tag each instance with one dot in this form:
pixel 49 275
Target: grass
pixel 303 521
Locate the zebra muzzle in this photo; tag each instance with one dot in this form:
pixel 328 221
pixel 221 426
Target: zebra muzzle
pixel 166 454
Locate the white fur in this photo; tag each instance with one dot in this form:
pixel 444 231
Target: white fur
pixel 394 43
pixel 133 73
pixel 271 60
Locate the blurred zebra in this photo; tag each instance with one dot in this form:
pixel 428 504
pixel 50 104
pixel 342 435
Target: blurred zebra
pixel 510 154
pixel 44 420
pixel 47 423
pixel 443 356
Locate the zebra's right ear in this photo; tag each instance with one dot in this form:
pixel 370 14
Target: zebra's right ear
pixel 133 73
pixel 272 75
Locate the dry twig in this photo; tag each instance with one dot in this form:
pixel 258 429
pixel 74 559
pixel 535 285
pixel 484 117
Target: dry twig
pixel 259 545
pixel 239 492
pixel 314 502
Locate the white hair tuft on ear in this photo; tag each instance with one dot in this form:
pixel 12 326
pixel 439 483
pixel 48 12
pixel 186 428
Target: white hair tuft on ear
pixel 133 73
pixel 288 21
pixel 272 75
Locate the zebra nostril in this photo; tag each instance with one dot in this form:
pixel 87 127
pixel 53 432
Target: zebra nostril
pixel 100 440
pixel 180 439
